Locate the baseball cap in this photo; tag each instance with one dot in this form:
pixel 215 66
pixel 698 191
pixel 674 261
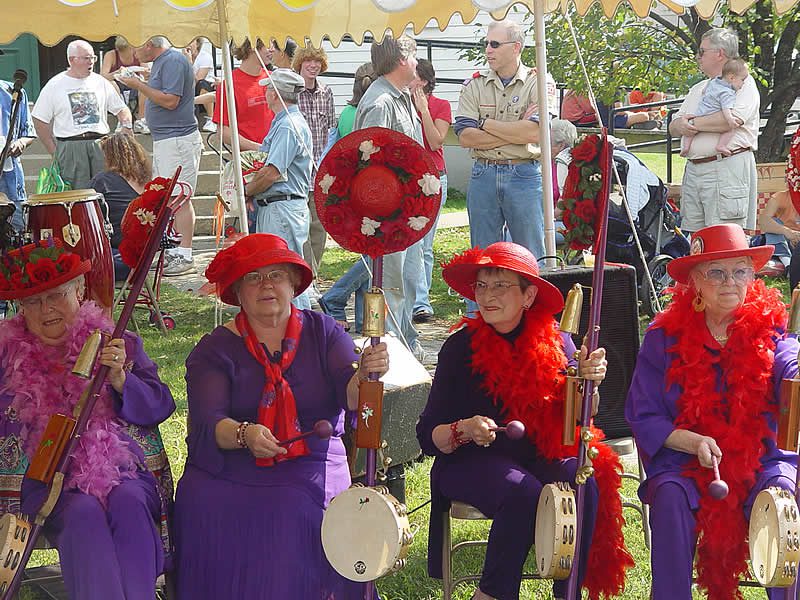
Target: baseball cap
pixel 284 80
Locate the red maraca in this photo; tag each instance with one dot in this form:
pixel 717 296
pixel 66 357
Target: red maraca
pixel 717 488
pixel 322 429
pixel 515 430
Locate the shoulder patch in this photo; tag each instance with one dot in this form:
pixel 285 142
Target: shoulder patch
pixel 475 75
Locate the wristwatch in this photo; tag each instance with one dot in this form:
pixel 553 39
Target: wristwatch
pixel 481 123
pixel 690 121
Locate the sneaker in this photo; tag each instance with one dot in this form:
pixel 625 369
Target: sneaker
pixel 210 126
pixel 178 266
pixel 422 316
pixel 140 126
pixel 418 351
pixel 167 258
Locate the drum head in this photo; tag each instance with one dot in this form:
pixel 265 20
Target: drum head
pixel 63 197
pixel 545 532
pixel 361 535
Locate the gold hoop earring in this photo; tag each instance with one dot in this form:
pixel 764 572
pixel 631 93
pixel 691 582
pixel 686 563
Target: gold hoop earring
pixel 698 304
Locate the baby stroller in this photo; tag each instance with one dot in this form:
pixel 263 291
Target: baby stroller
pixel 656 220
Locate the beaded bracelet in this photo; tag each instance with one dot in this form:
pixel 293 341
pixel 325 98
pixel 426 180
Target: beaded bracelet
pixel 240 434
pixel 456 437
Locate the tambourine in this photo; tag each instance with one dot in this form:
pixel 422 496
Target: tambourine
pixel 13 535
pixel 556 523
pixel 775 538
pixel 365 533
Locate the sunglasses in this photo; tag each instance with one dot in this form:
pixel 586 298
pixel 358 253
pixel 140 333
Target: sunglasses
pixel 494 43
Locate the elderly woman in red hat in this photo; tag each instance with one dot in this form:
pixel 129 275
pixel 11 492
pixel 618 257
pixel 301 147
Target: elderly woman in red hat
pixel 249 507
pixel 705 387
pixel 105 522
pixel 509 363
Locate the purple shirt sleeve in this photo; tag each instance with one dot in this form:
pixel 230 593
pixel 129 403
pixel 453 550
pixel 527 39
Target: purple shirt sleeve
pixel 145 399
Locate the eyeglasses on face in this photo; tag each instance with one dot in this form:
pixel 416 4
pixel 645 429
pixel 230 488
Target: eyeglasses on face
pixel 742 276
pixel 39 300
pixel 494 43
pixel 90 58
pixel 276 277
pixel 702 51
pixel 498 288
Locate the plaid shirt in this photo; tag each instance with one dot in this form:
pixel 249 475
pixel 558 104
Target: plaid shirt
pixel 318 109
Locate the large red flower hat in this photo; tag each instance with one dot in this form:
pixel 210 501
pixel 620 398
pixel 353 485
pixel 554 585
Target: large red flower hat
pixel 377 191
pixel 139 220
pixel 36 268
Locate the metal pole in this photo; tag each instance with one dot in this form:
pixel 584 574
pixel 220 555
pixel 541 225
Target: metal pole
pixel 546 159
pixel 232 119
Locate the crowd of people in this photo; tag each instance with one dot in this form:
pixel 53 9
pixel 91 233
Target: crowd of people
pixel 249 506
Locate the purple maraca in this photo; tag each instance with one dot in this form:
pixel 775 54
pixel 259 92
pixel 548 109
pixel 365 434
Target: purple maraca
pixel 515 430
pixel 717 488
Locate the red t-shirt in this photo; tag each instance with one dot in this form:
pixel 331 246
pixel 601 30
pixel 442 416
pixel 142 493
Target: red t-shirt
pixel 253 114
pixel 439 109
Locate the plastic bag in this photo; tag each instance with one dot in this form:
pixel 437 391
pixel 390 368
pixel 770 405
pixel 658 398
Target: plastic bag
pixel 50 180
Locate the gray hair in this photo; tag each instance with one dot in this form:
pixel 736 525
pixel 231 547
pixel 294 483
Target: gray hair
pixel 73 46
pixel 513 30
pixel 387 55
pixel 723 39
pixel 563 132
pixel 288 97
pixel 159 41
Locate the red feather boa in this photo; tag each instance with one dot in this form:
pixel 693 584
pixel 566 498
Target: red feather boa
pixel 746 364
pixel 527 379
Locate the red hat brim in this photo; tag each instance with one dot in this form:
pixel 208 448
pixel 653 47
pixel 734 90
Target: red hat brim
pixel 382 185
pixel 82 268
pixel 679 268
pixel 247 255
pixel 462 274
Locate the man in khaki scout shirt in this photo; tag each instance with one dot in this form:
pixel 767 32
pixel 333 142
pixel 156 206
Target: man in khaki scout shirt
pixel 505 187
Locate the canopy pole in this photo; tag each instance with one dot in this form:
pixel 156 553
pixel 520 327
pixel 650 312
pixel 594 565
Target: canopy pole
pixel 546 159
pixel 232 119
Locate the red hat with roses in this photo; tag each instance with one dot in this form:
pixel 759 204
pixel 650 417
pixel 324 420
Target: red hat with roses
pixel 139 220
pixel 377 191
pixel 36 268
pixel 793 171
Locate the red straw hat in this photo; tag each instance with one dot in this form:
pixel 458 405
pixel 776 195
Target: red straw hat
pixel 140 219
pixel 462 270
pixel 715 243
pixel 377 191
pixel 793 171
pixel 253 252
pixel 36 268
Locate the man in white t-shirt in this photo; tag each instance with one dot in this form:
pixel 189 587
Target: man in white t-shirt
pixel 70 115
pixel 718 188
pixel 205 83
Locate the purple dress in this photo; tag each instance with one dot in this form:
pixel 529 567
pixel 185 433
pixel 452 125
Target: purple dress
pixel 112 553
pixel 503 481
pixel 651 410
pixel 244 531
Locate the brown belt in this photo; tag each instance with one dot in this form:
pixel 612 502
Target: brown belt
pixel 708 159
pixel 504 161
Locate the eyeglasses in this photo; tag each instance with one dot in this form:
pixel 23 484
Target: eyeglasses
pixel 91 58
pixel 741 276
pixel 498 288
pixel 38 301
pixel 702 51
pixel 494 43
pixel 275 277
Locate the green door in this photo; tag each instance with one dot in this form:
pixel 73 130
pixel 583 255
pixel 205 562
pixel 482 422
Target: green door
pixel 22 53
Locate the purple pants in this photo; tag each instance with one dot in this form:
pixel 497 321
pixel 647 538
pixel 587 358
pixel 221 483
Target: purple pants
pixel 672 522
pixel 508 492
pixel 113 553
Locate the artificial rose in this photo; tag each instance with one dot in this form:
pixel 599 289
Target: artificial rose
pixel 430 184
pixel 586 150
pixel 67 261
pixel 42 270
pixel 414 206
pixel 395 234
pixel 367 149
pixel 344 165
pixel 326 182
pixel 399 156
pixel 369 227
pixel 418 223
pixel 585 211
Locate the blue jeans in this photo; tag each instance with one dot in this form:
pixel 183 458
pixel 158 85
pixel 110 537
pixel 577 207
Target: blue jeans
pixel 509 195
pixel 12 184
pixel 288 219
pixel 355 280
pixel 422 301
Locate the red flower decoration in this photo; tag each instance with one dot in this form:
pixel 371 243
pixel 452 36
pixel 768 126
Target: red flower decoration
pixel 140 220
pixel 35 268
pixel 579 201
pixel 587 149
pixel 42 270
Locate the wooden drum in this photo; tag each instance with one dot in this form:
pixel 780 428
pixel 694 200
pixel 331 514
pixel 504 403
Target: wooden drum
pixel 13 535
pixel 775 538
pixel 365 533
pixel 556 523
pixel 76 218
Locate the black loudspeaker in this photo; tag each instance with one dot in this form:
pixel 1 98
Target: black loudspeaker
pixel 619 335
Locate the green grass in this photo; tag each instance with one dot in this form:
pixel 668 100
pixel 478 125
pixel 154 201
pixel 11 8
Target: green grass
pixel 657 162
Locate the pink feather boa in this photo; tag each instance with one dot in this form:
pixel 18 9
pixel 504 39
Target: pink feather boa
pixel 40 382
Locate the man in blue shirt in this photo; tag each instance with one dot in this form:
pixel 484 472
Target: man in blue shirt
pixel 12 179
pixel 281 187
pixel 169 110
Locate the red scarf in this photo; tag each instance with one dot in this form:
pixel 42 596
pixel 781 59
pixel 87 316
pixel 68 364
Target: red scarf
pixel 526 380
pixel 277 410
pixel 732 413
